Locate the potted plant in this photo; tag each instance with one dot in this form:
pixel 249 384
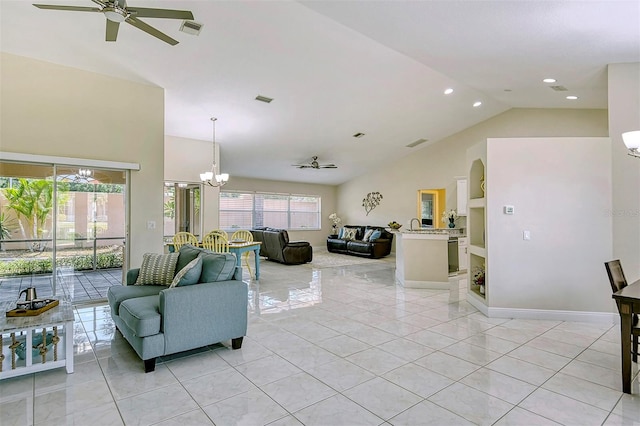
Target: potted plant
pixel 450 216
pixel 478 278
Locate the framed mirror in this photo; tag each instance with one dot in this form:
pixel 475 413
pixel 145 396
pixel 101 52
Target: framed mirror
pixel 431 204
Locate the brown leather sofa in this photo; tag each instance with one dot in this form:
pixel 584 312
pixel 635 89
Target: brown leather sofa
pixel 375 249
pixel 276 246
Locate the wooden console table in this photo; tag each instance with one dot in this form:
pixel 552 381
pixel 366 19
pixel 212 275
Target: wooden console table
pixel 54 326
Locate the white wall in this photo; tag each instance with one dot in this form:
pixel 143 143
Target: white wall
pixel 185 159
pixel 436 166
pixel 624 115
pixel 561 191
pixel 327 192
pixel 53 110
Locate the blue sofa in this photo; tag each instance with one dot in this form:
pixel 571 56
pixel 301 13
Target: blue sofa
pixel 159 320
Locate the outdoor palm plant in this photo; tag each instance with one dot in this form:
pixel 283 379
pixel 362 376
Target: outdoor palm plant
pixel 32 201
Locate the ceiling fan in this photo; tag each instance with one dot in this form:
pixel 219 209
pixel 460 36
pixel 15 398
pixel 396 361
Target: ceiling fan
pixel 116 11
pixel 313 164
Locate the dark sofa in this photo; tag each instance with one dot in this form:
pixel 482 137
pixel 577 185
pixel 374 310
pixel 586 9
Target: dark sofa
pixel 276 246
pixel 375 249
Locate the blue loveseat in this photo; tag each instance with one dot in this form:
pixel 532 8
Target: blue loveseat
pixel 160 320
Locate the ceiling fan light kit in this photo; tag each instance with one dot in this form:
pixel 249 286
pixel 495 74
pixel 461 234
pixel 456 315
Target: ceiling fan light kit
pixel 116 12
pixel 313 164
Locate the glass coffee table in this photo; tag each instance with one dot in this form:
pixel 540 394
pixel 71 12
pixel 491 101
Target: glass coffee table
pixel 36 343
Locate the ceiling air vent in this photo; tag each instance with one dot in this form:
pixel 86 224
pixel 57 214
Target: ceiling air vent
pixel 263 99
pixel 191 27
pixel 358 135
pixel 559 88
pixel 416 143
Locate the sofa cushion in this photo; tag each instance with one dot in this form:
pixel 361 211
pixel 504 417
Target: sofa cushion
pixel 188 275
pixel 157 269
pixel 141 315
pixel 119 293
pixel 359 247
pixel 367 235
pixel 217 266
pixel 186 254
pixel 375 235
pixel 349 233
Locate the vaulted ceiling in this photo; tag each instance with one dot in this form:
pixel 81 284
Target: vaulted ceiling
pixel 338 68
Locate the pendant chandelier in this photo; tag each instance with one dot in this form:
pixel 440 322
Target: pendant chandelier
pixel 212 178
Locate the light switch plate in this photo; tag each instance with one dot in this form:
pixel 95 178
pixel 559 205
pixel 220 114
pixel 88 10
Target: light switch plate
pixel 526 235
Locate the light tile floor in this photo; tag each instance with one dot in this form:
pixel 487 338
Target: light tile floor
pixel 342 346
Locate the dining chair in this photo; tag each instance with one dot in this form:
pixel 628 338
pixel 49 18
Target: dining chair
pixel 243 235
pixel 183 238
pixel 618 282
pixel 221 232
pixel 215 242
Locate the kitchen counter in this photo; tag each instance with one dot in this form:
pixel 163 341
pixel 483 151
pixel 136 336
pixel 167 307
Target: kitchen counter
pixel 422 259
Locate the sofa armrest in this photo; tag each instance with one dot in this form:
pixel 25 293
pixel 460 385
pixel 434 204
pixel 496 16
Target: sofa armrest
pixel 380 247
pixel 132 276
pixel 203 314
pixel 298 244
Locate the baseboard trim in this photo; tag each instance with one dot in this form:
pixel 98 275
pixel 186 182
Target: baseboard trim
pixel 543 314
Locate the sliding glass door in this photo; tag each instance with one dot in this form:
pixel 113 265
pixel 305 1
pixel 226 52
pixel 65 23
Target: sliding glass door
pixel 62 230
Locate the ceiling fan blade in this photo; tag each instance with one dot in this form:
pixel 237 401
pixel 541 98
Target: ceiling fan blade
pixel 69 8
pixel 112 30
pixel 150 30
pixel 99 2
pixel 145 12
pixel 328 166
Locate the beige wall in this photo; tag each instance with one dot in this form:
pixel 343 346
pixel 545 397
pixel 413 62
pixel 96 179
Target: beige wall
pixel 561 192
pixel 326 192
pixel 53 110
pixel 437 165
pixel 185 160
pixel 624 115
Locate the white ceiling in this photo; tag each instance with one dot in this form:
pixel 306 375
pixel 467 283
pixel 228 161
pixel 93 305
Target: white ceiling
pixel 335 68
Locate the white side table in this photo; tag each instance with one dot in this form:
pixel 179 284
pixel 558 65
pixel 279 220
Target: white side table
pixel 56 322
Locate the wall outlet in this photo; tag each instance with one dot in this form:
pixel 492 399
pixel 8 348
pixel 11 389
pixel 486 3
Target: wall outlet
pixel 151 224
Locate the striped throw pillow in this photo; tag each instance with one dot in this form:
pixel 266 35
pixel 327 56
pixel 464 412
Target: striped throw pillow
pixel 157 269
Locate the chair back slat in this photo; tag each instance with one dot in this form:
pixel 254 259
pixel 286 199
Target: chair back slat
pixel 215 242
pixel 183 238
pixel 616 275
pixel 242 235
pixel 220 232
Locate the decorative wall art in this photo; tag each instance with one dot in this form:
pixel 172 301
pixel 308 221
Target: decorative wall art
pixel 371 201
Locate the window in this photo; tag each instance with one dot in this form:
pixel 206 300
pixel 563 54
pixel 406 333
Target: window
pixel 246 210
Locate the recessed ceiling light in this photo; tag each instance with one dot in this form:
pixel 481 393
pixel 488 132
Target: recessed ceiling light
pixel 263 99
pixel 549 80
pixel 572 97
pixel 477 104
pixel 448 91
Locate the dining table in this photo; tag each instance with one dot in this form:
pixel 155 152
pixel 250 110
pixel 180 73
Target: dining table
pixel 628 300
pixel 239 247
